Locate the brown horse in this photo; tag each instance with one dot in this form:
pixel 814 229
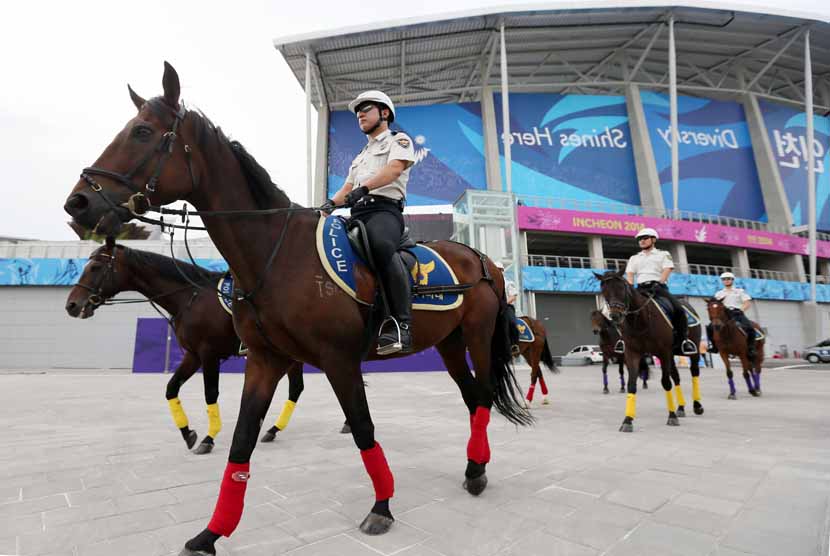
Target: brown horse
pixel 609 336
pixel 731 340
pixel 536 352
pixel 281 311
pixel 645 330
pixel 203 328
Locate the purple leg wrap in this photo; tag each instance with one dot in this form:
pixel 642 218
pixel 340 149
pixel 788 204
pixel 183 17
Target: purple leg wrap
pixel 731 386
pixel 605 380
pixel 756 378
pixel 749 384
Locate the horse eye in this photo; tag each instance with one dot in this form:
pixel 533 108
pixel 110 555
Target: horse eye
pixel 142 132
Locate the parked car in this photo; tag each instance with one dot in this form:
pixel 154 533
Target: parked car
pixel 591 354
pixel 817 354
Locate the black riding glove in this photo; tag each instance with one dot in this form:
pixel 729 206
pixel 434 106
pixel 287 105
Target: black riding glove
pixel 328 206
pixel 355 195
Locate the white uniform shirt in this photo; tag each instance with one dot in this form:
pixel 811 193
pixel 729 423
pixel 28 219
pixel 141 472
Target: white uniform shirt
pixel 375 155
pixel 648 266
pixel 510 288
pixel 732 298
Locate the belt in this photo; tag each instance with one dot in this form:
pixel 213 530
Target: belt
pixel 369 200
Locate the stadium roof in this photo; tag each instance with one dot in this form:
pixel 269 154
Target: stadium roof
pixel 736 48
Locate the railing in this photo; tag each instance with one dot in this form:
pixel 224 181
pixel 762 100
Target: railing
pixel 702 269
pixel 656 212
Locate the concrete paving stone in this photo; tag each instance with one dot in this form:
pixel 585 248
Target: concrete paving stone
pixel 26 507
pixel 135 502
pixel 724 551
pixel 785 523
pixel 708 503
pixel 771 543
pixel 694 519
pixel 262 515
pixel 613 514
pixel 671 539
pixel 191 510
pixel 306 504
pixel 173 537
pixel 639 498
pixel 263 541
pixel 318 526
pixel 341 545
pixel 400 537
pixel 10 494
pixel 582 529
pixel 8 544
pixel 39 490
pixel 196 491
pixel 588 485
pixel 97 494
pixel 142 544
pixel 78 514
pixel 477 541
pixel 537 509
pixel 419 550
pixel 540 543
pixel 735 487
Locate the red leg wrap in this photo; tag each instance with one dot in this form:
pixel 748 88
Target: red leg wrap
pixel 378 470
pixel 530 392
pixel 228 509
pixel 478 448
pixel 543 385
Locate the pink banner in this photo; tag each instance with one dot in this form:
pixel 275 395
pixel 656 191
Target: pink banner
pixel 558 220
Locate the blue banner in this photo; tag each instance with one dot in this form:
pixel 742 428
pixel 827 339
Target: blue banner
pixel 787 131
pixel 582 280
pixel 449 150
pixel 717 166
pixel 570 146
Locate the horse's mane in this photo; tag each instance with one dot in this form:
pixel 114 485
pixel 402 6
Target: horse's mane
pixel 265 192
pixel 166 267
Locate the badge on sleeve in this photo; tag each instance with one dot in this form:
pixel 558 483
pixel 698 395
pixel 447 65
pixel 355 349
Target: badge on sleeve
pixel 403 142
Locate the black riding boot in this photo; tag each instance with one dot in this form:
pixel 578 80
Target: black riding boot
pixel 750 344
pixel 710 334
pixel 395 335
pixel 682 344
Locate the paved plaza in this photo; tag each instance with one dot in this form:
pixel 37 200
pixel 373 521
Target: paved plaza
pixel 92 466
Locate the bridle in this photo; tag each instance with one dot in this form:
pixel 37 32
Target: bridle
pixel 624 307
pixel 138 203
pixel 97 297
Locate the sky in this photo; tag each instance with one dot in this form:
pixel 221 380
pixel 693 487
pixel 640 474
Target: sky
pixel 65 68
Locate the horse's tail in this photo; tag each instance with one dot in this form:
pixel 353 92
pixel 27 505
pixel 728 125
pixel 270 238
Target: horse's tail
pixel 506 391
pixel 547 358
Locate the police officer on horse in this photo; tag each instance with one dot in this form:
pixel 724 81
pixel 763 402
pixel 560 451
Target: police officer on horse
pixel 737 302
pixel 650 270
pixel 375 190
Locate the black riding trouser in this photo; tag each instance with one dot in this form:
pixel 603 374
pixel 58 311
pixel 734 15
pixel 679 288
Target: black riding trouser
pixel 679 320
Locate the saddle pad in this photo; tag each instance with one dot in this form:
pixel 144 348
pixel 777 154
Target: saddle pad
pixel 666 310
pixel 224 291
pixel 525 332
pixel 338 258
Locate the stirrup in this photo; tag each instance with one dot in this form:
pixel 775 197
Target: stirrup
pixel 687 347
pixel 243 349
pixel 394 347
pixel 515 350
pixel 619 347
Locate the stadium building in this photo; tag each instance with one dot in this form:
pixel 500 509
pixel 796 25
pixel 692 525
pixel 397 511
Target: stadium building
pixel 546 139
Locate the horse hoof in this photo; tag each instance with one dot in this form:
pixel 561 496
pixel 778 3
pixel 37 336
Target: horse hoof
pixel 191 439
pixel 376 524
pixel 645 386
pixel 346 429
pixel 673 421
pixel 268 436
pixel 476 486
pixel 698 408
pixel 627 427
pixel 754 393
pixel 187 552
pixel 545 401
pixel 605 391
pixel 732 397
pixel 203 448
pixel 622 390
pixel 681 411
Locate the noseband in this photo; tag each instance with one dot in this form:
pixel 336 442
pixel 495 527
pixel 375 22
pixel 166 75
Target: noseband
pixel 96 299
pixel 624 307
pixel 138 203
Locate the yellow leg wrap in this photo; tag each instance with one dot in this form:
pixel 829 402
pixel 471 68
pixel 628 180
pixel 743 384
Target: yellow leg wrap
pixel 678 391
pixel 177 412
pixel 631 405
pixel 696 388
pixel 214 420
pixel 285 416
pixel 669 401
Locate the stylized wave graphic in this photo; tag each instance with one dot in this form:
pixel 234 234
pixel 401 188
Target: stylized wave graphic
pixel 579 103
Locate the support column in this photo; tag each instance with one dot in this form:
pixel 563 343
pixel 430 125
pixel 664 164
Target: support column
pixel 675 132
pixel 772 188
pixel 308 146
pixel 824 267
pixel 648 181
pixel 492 160
pixel 321 160
pixel 681 261
pixel 595 252
pixel 811 162
pixel 505 114
pixel 740 262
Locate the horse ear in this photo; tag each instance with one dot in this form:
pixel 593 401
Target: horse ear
pixel 172 89
pixel 137 100
pixel 598 275
pixel 620 273
pixel 110 243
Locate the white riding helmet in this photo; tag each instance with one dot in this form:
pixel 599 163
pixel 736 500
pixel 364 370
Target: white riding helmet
pixel 374 96
pixel 727 275
pixel 647 232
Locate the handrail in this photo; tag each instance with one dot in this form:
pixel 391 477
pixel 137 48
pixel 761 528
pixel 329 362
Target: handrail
pixel 561 261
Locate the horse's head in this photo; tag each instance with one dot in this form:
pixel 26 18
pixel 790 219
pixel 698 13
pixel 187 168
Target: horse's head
pixel 597 321
pixel 615 290
pixel 717 313
pixel 103 277
pixel 148 162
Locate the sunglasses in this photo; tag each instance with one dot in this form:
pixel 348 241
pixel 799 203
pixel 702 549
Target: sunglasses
pixel 365 108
